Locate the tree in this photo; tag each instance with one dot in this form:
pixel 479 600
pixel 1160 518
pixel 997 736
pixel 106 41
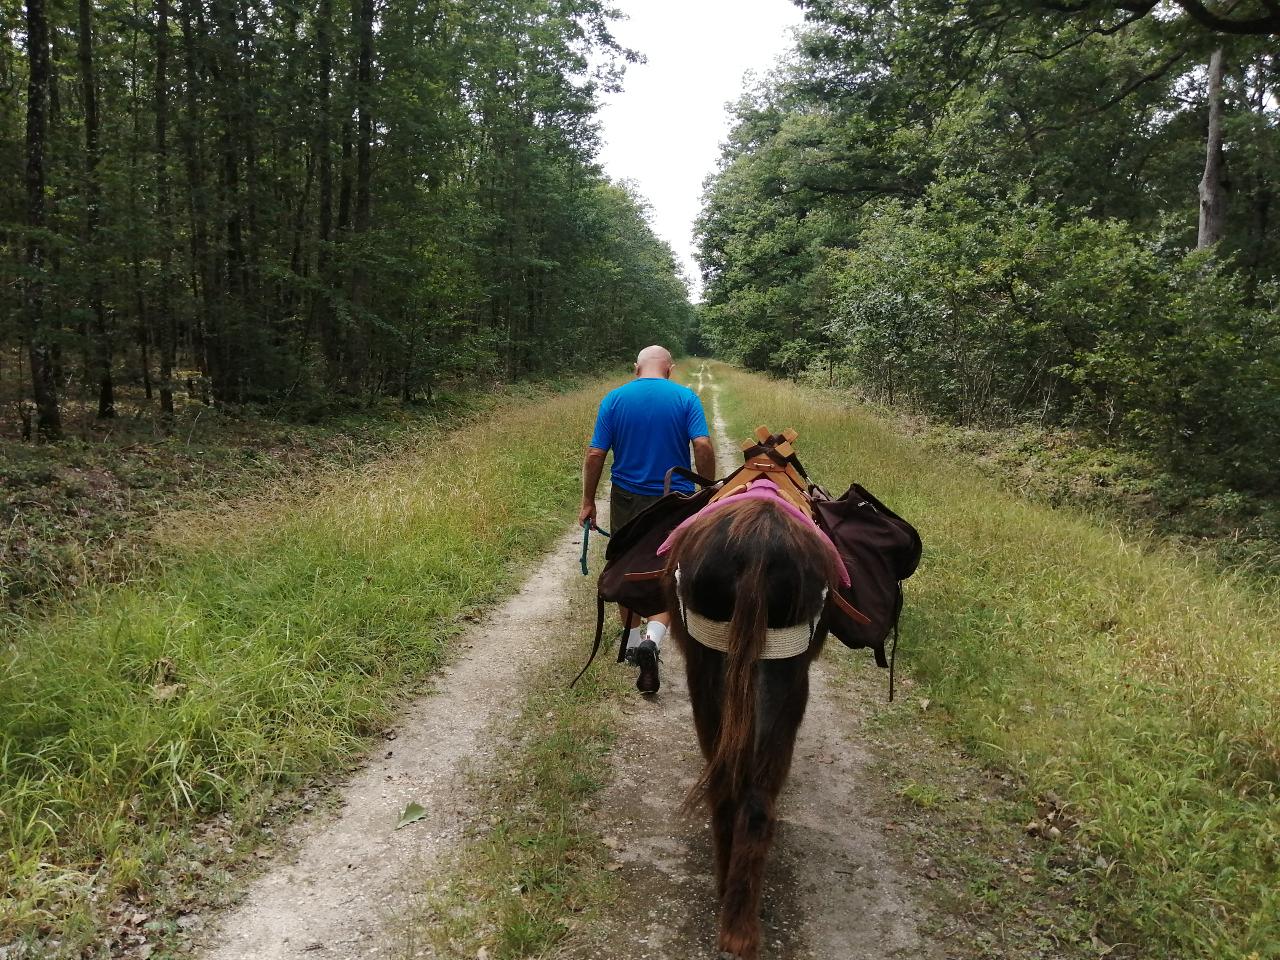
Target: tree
pixel 986 214
pixel 292 203
pixel 1247 18
pixel 48 416
pixel 93 201
pixel 1213 205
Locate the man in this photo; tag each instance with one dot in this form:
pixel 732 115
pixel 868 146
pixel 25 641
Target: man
pixel 649 424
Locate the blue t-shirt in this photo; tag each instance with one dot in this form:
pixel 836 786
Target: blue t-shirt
pixel 648 423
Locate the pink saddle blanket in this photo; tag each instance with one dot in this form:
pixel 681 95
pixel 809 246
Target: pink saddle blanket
pixel 761 489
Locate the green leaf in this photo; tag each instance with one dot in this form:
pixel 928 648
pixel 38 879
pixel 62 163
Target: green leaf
pixel 412 813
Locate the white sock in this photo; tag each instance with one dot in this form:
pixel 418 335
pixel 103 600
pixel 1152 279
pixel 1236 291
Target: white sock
pixel 634 636
pixel 655 631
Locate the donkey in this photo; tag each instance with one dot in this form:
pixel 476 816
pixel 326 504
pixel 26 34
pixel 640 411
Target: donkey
pixel 749 582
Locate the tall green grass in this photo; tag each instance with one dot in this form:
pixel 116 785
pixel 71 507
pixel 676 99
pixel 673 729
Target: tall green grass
pixel 275 643
pixel 1115 672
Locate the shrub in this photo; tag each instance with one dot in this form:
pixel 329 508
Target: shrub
pixel 999 311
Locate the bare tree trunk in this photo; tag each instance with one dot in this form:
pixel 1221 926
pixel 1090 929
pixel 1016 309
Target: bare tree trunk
pixel 197 198
pixel 142 328
pixel 342 331
pixel 93 214
pixel 320 306
pixel 168 324
pixel 43 384
pixel 358 350
pixel 1213 199
pixel 230 385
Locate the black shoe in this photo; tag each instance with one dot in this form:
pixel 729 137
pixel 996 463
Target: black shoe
pixel 647 660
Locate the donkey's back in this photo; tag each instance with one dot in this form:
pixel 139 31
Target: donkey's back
pixel 748 581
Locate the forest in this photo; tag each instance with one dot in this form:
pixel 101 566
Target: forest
pixel 238 201
pixel 1062 214
pixel 306 311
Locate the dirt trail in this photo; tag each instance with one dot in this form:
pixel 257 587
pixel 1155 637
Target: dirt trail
pixel 834 889
pixel 346 877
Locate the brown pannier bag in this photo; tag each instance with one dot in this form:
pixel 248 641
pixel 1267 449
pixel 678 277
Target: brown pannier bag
pixel 632 574
pixel 879 550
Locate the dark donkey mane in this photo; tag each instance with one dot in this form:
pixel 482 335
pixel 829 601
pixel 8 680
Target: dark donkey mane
pixel 758 567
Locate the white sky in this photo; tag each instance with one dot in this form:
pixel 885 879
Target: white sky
pixel 664 130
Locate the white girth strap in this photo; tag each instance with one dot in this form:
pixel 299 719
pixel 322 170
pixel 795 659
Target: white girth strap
pixel 779 643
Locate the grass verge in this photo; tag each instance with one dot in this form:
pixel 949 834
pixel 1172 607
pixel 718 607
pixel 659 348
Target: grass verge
pixel 1115 675
pixel 263 657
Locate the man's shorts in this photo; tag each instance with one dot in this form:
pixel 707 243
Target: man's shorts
pixel 623 505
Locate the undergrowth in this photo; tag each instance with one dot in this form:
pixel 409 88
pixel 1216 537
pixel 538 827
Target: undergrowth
pixel 1111 671
pixel 75 514
pixel 279 637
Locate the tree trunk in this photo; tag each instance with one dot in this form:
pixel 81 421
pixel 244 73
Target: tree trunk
pixel 197 197
pixel 320 305
pixel 1213 199
pixel 44 386
pixel 230 383
pixel 93 216
pixel 168 326
pixel 358 350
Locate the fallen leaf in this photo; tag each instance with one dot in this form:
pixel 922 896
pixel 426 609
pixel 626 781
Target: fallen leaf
pixel 167 692
pixel 412 813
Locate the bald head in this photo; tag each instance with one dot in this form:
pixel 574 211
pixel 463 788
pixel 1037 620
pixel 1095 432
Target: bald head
pixel 654 361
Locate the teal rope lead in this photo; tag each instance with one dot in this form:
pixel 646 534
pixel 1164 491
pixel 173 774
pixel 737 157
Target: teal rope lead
pixel 586 534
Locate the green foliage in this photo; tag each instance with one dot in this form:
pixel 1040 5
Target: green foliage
pixel 310 231
pixel 988 312
pixel 987 212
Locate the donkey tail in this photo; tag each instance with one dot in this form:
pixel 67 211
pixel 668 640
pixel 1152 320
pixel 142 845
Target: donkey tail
pixel 733 755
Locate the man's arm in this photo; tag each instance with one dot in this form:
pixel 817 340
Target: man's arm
pixel 592 467
pixel 704 454
pixel 704 457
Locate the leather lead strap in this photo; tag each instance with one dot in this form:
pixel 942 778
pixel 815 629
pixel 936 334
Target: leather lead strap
pixel 622 640
pixel 595 644
pixel 893 651
pixel 697 478
pixel 893 658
